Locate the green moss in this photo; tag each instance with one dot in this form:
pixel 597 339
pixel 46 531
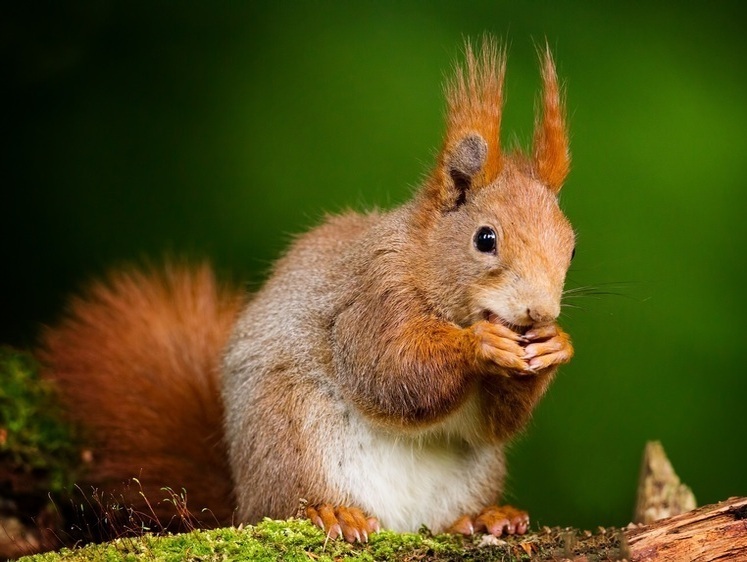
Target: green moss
pixel 37 448
pixel 269 540
pixel 297 540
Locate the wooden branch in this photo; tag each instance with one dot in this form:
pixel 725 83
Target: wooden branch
pixel 712 533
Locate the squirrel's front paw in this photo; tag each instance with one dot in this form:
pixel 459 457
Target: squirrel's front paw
pixel 547 346
pixel 499 346
pixel 494 520
pixel 347 522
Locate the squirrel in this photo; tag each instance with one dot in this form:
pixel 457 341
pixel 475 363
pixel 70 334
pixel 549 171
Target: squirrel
pixel 379 372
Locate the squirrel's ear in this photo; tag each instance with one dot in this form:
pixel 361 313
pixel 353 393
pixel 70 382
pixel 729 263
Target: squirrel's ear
pixel 464 162
pixel 552 159
pixel 471 154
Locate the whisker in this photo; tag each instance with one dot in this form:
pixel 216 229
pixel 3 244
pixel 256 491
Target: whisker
pixel 594 294
pixel 596 291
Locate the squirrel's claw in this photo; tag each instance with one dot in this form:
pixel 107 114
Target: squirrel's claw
pixel 348 522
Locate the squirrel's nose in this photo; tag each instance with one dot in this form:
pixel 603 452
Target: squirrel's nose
pixel 543 314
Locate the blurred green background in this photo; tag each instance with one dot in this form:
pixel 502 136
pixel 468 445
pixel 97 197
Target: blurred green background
pixel 220 129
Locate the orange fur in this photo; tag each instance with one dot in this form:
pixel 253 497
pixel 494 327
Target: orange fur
pixel 136 360
pixel 551 156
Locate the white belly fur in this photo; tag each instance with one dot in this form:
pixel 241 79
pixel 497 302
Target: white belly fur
pixel 429 479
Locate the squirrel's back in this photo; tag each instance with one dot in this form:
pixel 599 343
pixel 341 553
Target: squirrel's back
pixel 136 361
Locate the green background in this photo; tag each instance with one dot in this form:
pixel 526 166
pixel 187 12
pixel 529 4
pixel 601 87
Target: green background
pixel 220 129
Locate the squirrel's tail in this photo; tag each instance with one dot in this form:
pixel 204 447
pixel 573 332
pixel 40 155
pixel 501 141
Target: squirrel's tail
pixel 136 361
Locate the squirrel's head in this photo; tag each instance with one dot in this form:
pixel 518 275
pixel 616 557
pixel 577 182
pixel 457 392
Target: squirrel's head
pixel 493 241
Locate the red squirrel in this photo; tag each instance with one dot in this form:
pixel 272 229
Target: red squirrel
pixel 377 374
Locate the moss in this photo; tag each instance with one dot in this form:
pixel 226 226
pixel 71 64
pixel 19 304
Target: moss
pixel 37 448
pixel 296 540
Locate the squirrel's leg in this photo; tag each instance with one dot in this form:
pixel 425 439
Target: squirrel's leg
pixel 494 520
pixel 348 522
pixel 510 397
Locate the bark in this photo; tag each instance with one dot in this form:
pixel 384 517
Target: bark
pixel 712 533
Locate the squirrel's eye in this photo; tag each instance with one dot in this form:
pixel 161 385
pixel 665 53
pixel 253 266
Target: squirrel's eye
pixel 573 253
pixel 485 240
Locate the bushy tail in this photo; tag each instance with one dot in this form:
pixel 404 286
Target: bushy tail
pixel 136 360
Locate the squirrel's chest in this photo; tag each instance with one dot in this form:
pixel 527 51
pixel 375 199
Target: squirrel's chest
pixel 412 480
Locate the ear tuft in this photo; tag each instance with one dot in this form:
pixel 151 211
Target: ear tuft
pixel 475 102
pixel 552 159
pixel 471 153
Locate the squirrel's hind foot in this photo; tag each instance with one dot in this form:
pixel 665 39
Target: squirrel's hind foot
pixel 493 520
pixel 339 521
